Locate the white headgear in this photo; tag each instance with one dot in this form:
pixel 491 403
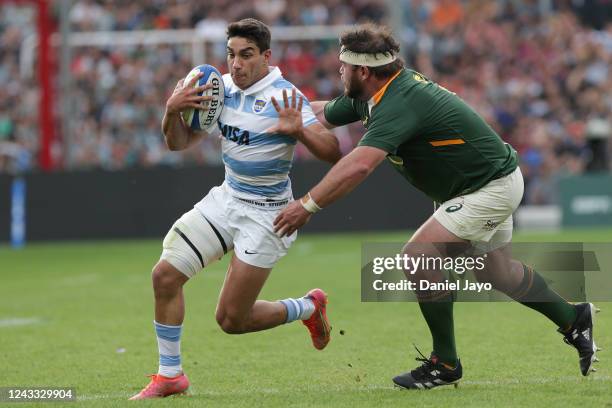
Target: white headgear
pixel 367 59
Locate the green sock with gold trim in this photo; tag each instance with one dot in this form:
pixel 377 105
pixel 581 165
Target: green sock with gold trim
pixel 535 293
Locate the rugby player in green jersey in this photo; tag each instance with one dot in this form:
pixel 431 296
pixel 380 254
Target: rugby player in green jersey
pixel 446 150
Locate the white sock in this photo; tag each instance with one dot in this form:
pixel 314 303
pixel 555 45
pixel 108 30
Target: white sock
pixel 169 346
pixel 298 309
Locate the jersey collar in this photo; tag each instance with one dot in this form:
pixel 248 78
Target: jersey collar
pixel 274 73
pixel 379 94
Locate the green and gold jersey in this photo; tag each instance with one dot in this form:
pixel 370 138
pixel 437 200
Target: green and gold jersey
pixel 432 137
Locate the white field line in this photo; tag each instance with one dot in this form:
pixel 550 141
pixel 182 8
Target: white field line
pixel 19 321
pixel 276 391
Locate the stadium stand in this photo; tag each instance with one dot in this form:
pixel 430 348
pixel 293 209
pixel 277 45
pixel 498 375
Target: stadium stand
pixel 538 74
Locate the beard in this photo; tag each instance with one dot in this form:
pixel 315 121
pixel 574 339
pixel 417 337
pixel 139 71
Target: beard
pixel 355 89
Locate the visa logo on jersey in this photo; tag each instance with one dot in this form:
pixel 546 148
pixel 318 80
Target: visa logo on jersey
pixel 234 134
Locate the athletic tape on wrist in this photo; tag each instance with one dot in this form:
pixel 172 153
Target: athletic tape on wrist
pixel 310 205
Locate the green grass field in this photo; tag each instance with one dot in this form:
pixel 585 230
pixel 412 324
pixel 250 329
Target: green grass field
pixel 86 311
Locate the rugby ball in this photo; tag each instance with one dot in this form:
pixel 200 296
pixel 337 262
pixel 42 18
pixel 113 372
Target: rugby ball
pixel 206 119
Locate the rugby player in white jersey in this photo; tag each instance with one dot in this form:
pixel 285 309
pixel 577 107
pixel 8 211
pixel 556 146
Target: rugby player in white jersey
pixel 263 118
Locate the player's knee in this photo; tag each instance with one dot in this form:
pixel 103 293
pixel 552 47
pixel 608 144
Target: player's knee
pixel 230 323
pixel 232 326
pixel 165 278
pixel 412 273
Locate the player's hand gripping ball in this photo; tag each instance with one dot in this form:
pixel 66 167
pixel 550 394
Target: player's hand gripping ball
pixel 206 119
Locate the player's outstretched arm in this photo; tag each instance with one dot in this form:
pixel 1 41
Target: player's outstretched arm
pixel 319 141
pixel 177 134
pixel 318 108
pixel 347 174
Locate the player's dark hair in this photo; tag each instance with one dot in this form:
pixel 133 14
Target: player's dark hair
pixel 253 30
pixel 372 39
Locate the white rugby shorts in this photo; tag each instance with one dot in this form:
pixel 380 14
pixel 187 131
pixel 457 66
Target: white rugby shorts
pixel 484 217
pixel 245 227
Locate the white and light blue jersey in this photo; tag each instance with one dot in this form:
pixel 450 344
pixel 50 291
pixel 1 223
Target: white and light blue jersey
pixel 257 163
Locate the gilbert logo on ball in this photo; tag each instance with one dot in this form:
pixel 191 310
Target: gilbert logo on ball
pixel 206 119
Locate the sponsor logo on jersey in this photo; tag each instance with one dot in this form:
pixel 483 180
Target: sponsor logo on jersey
pixel 490 225
pixel 235 134
pixel 419 77
pixel 258 105
pixel 453 208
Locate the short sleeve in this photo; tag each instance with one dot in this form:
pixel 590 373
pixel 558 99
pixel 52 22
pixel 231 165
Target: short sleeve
pixel 308 116
pixel 390 127
pixel 340 111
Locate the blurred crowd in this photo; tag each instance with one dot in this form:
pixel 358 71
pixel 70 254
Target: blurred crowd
pixel 94 15
pixel 117 93
pixel 540 75
pixel 537 70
